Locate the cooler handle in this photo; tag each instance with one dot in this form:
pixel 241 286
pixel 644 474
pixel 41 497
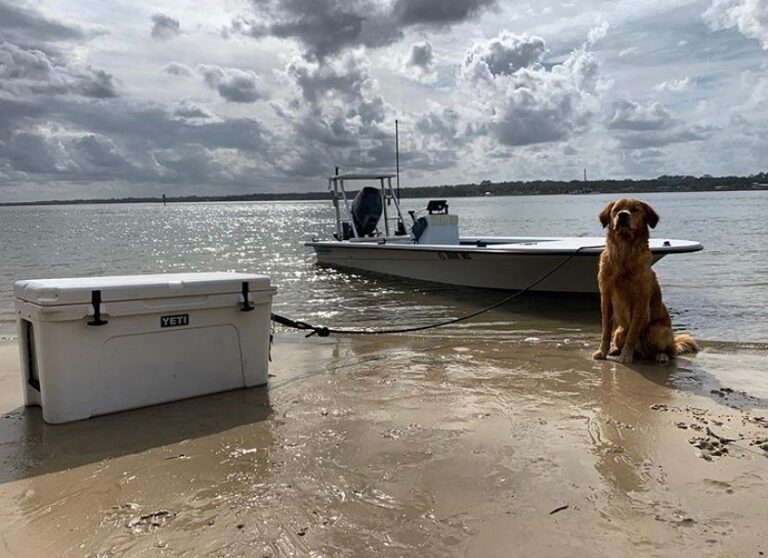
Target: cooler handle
pixel 96 303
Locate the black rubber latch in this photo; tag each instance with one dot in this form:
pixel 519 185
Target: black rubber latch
pixel 96 303
pixel 247 306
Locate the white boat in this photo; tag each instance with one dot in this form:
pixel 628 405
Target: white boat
pixel 431 249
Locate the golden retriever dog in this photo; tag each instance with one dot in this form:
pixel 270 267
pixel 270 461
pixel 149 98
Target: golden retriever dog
pixel 632 312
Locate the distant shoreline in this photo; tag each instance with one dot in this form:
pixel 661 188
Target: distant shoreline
pixel 486 188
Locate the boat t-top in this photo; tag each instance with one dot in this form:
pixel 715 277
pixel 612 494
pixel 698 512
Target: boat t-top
pixel 372 235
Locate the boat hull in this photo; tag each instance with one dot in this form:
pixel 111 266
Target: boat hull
pixel 488 270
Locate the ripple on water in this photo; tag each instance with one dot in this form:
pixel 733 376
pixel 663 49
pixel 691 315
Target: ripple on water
pixel 714 294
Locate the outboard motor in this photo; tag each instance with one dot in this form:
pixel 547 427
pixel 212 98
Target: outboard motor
pixel 366 210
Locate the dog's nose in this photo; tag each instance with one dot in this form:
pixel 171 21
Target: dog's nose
pixel 622 218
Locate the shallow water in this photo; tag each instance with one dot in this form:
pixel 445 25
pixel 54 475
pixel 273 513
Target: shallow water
pixel 716 294
pixel 455 443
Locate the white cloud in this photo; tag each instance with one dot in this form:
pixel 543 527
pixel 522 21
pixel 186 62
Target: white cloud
pixel 597 33
pixel 673 86
pixel 750 17
pixel 518 101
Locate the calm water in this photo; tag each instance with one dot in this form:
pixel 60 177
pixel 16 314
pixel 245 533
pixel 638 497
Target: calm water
pixel 719 293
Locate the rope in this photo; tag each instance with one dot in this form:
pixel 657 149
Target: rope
pixel 323 331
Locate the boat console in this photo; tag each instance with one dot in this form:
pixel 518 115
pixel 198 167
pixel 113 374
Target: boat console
pixel 437 226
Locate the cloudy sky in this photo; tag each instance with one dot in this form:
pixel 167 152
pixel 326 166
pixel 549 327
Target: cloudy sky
pixel 102 98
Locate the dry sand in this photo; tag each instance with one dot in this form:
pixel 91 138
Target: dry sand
pixel 406 446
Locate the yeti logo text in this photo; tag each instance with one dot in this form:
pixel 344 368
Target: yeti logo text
pixel 174 321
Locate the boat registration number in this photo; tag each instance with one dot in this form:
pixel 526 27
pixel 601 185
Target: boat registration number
pixel 454 255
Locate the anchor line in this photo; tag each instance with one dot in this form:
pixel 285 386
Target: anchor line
pixel 323 331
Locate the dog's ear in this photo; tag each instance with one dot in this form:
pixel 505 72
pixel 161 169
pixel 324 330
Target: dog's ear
pixel 605 215
pixel 651 217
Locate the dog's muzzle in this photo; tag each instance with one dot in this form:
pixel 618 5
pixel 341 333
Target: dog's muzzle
pixel 622 219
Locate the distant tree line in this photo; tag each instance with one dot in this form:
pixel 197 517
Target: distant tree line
pixel 705 183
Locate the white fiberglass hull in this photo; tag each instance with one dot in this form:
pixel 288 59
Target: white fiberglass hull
pixel 489 263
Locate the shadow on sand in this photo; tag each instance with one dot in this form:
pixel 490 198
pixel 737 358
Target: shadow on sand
pixel 691 375
pixel 29 447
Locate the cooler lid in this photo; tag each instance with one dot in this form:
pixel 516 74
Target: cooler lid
pixel 77 290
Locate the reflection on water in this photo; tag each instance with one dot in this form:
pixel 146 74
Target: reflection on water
pixel 715 294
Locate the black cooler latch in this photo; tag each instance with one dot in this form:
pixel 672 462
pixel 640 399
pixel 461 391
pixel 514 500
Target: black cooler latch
pixel 247 306
pixel 96 303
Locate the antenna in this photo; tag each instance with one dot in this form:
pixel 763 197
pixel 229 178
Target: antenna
pixel 397 158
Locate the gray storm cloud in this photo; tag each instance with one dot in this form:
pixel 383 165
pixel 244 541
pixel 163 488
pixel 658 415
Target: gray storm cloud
pixel 61 122
pixel 503 55
pixel 32 66
pixel 176 69
pixel 438 12
pixel 629 115
pixel 420 56
pixel 22 25
pixel 164 27
pixel 335 115
pixel 233 85
pixel 640 126
pixel 188 109
pixel 148 144
pixel 419 63
pixel 327 27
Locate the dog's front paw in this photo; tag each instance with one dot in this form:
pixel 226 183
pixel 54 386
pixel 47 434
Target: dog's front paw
pixel 662 358
pixel 615 351
pixel 599 355
pixel 626 358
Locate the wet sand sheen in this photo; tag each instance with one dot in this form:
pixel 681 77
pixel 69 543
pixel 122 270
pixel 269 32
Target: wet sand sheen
pixel 405 446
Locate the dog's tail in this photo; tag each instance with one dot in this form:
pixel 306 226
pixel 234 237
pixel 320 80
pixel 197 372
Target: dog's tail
pixel 684 343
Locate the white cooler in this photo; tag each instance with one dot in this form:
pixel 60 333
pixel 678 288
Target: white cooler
pixel 97 345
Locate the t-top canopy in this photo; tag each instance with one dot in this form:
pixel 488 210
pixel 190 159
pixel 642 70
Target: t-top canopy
pixel 354 176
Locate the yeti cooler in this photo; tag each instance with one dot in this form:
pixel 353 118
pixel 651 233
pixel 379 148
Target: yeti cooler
pixel 97 345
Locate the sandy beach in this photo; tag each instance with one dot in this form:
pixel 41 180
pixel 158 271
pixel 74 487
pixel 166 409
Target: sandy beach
pixel 406 446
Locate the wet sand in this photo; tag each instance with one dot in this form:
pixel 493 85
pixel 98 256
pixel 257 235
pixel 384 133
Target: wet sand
pixel 406 446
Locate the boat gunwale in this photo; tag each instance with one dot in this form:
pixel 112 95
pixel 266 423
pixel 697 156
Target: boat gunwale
pixel 589 251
